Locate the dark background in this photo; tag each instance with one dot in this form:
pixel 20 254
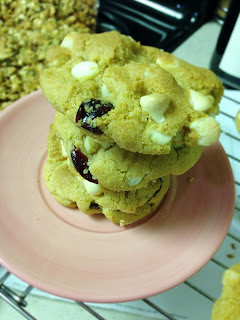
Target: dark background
pixel 163 24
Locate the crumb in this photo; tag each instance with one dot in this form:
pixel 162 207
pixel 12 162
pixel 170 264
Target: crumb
pixel 233 246
pixel 230 256
pixel 191 179
pixel 36 218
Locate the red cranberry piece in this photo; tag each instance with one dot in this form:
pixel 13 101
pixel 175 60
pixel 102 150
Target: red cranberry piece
pixel 91 109
pixel 94 206
pixel 80 163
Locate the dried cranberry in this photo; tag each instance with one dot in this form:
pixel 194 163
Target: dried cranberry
pixel 91 109
pixel 80 163
pixel 94 206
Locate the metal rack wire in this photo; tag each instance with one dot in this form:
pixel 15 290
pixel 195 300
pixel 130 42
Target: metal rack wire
pixel 19 303
pixel 221 261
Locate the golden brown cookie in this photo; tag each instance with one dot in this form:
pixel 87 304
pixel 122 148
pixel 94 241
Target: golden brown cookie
pixel 115 168
pixel 227 307
pixel 141 98
pixel 72 192
pixel 237 121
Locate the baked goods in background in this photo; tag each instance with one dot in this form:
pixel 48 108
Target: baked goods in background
pixel 27 30
pixel 227 307
pixel 237 121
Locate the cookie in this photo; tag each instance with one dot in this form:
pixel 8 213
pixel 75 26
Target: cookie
pixel 115 168
pixel 237 121
pixel 228 305
pixel 123 218
pixel 70 191
pixel 66 189
pixel 127 201
pixel 28 28
pixel 141 98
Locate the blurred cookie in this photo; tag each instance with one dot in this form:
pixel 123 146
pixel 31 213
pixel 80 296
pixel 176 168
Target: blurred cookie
pixel 114 168
pixel 27 30
pixel 227 307
pixel 237 120
pixel 141 98
pixel 72 192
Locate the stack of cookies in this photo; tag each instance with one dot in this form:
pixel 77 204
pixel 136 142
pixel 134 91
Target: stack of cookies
pixel 128 116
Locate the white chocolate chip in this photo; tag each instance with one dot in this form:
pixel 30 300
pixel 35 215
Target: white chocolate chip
pixel 155 105
pixel 85 69
pixel 104 91
pixel 199 101
pixel 160 138
pixel 92 188
pixel 67 42
pixel 64 152
pixel 91 145
pixel 208 130
pixel 133 181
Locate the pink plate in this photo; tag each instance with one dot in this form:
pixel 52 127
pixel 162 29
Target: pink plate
pixel 88 258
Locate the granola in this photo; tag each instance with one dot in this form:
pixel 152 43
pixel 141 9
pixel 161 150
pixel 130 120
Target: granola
pixel 27 30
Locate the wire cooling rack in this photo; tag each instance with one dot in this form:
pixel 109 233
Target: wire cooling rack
pixel 194 298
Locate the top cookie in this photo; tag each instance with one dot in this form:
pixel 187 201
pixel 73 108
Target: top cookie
pixel 142 98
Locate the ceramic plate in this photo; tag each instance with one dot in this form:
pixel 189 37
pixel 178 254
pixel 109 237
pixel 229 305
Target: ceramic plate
pixel 76 256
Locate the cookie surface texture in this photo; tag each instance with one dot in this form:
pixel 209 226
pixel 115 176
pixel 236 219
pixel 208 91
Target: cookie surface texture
pixel 119 207
pixel 115 168
pixel 140 98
